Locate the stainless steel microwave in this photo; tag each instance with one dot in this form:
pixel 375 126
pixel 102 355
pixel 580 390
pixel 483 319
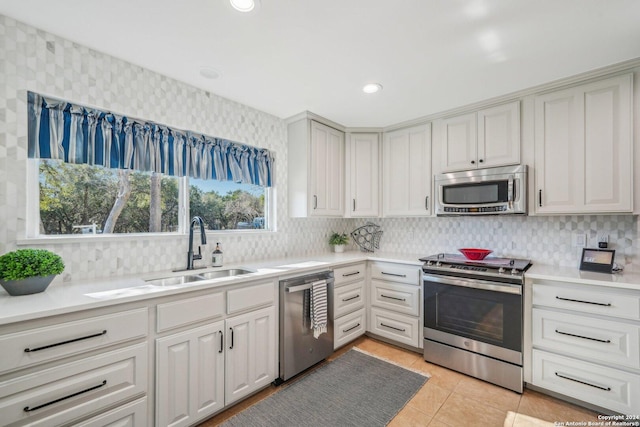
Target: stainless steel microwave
pixel 491 191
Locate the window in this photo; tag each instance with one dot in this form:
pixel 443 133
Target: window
pixel 84 199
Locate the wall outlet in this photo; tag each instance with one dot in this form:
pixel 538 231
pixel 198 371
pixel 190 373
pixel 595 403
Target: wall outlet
pixel 603 240
pixel 579 240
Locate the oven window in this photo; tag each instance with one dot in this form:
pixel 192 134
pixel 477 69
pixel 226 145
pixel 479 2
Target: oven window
pixel 476 193
pixel 481 315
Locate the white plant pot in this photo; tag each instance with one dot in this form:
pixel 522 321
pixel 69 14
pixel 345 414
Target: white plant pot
pixel 338 248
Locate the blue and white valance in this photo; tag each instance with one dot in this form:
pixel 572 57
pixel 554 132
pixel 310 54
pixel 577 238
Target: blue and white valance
pixel 77 134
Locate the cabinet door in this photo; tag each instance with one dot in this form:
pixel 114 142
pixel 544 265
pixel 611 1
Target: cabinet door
pixel 583 148
pixel 499 135
pixel 189 375
pixel 459 144
pixel 362 155
pixel 406 173
pixel 327 171
pixel 251 353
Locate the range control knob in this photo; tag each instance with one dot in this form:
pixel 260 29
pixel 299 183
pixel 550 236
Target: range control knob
pixel 438 264
pixel 501 270
pixel 514 271
pixel 429 263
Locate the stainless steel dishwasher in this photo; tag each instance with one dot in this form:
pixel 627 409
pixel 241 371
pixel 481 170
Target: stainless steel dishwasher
pixel 299 349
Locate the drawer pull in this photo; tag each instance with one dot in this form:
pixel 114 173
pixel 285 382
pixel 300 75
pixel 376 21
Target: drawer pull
pixel 351 328
pixel 583 382
pixel 221 342
pixel 393 274
pixel 27 409
pixel 350 274
pixel 349 299
pixel 392 327
pixel 583 337
pixel 31 350
pixel 231 348
pixel 584 302
pixel 397 299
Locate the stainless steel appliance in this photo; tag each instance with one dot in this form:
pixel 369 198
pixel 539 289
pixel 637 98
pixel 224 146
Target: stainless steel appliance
pixel 299 349
pixel 492 191
pixel 473 314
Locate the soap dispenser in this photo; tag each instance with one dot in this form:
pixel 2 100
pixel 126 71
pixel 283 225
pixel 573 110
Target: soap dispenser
pixel 216 256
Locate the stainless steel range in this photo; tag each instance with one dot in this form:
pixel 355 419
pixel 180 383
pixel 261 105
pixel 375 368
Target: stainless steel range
pixel 473 316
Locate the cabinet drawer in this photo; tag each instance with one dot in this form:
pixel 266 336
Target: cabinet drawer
pixel 398 327
pixel 30 347
pixel 254 296
pixel 130 415
pixel 348 298
pixel 191 310
pixel 348 328
pixel 349 274
pixel 588 299
pixel 601 340
pixel 395 296
pixel 401 273
pixel 595 384
pixel 61 394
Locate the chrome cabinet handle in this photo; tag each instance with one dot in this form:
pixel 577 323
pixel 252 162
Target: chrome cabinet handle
pixel 221 342
pixel 583 337
pixel 397 299
pixel 349 299
pixel 28 409
pixel 584 302
pixel 350 329
pixel 394 274
pixel 583 382
pixel 392 327
pixel 231 329
pixel 350 274
pixel 31 350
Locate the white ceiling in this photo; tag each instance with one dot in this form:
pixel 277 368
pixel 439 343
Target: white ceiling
pixel 296 55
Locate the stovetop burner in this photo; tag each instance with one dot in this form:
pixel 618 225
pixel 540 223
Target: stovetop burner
pixel 456 264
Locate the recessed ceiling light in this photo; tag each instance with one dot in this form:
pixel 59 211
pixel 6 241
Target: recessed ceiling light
pixel 372 88
pixel 209 73
pixel 243 5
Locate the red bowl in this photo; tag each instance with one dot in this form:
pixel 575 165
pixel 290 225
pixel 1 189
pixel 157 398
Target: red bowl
pixel 475 254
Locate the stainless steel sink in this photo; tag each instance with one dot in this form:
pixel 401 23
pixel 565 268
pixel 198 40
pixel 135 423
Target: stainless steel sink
pixel 190 278
pixel 216 274
pixel 175 280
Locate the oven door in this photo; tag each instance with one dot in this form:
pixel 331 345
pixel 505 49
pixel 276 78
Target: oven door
pixel 476 315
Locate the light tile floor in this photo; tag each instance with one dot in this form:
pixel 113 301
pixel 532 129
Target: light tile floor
pixel 449 398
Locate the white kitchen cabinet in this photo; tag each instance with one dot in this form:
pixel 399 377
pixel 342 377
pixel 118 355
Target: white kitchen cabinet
pixel 406 172
pixel 487 138
pixel 250 353
pixel 316 169
pixel 586 343
pixel 584 148
pixel 362 160
pixel 395 306
pixel 349 297
pixel 190 375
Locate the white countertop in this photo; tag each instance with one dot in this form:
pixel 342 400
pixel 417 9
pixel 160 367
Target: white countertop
pixel 88 294
pixel 624 279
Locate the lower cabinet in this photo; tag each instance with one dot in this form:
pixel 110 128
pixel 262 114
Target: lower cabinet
pixel 200 371
pixel 349 327
pixel 395 326
pixel 130 415
pixel 349 313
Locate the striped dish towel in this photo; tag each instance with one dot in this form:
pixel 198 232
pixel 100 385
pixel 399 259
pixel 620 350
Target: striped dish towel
pixel 318 310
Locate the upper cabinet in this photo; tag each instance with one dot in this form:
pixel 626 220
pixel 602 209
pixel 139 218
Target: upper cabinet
pixel 316 169
pixel 362 160
pixel 584 148
pixel 486 138
pixel 406 172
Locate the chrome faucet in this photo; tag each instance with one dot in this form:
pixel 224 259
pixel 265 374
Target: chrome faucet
pixel 203 239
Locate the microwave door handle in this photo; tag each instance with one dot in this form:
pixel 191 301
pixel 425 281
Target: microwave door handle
pixel 511 190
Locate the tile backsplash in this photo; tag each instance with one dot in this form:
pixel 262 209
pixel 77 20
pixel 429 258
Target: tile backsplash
pixel 41 62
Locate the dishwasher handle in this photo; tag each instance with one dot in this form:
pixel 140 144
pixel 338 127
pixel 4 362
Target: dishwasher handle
pixel 299 287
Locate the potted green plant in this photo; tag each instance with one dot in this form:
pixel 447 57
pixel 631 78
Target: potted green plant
pixel 338 241
pixel 29 271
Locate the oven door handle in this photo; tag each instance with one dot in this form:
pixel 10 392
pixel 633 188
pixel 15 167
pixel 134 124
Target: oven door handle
pixel 475 284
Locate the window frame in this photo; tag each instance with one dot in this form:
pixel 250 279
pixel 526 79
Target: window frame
pixel 32 221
